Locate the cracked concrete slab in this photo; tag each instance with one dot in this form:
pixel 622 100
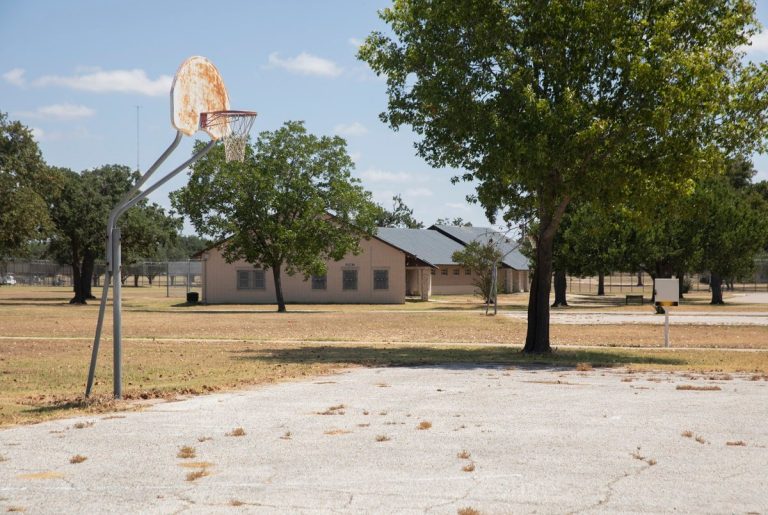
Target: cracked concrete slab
pixel 537 439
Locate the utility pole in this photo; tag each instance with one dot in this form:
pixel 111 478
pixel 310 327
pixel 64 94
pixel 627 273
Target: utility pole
pixel 138 162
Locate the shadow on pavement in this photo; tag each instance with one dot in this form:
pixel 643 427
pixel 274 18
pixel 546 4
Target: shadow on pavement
pixel 480 357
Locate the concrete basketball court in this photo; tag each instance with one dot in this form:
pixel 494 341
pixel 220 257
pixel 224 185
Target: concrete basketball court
pixel 538 440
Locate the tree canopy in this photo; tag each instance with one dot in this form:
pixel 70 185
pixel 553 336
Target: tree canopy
pixel 482 258
pixel 543 103
pixel 24 180
pixel 292 204
pixel 80 210
pixel 399 216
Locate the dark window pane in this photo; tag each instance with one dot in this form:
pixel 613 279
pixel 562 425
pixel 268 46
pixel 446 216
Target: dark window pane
pixel 258 279
pixel 243 279
pixel 319 282
pixel 381 279
pixel 349 279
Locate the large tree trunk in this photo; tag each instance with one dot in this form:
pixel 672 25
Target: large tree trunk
pixel 561 285
pixel 77 278
pixel 89 264
pixel 601 283
pixel 716 283
pixel 640 279
pixel 135 280
pixel 537 337
pixel 681 284
pixel 278 289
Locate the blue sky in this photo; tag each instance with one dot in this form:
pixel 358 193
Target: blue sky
pixel 75 72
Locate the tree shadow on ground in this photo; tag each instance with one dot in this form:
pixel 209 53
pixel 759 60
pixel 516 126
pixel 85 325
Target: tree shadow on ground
pixel 451 357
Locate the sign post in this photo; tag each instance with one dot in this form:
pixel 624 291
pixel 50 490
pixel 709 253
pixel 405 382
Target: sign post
pixel 667 292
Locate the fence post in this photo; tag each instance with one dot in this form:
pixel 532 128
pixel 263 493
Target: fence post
pixel 167 280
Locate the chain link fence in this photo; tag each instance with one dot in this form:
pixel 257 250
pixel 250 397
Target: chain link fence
pixel 177 277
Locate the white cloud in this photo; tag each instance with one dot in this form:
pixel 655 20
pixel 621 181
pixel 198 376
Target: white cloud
pixel 418 192
pixel 118 81
pixel 355 156
pixel 759 44
pixel 15 77
pixel 458 205
pixel 61 112
pixel 350 129
pixel 383 176
pixel 374 175
pixel 306 64
pixel 74 134
pixel 355 42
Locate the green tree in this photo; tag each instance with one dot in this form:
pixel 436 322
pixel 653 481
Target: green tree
pixel 543 103
pixel 733 228
pixel 591 242
pixel 292 204
pixel 482 259
pixel 80 211
pixel 24 180
pixel 458 222
pixel 400 215
pixel 146 231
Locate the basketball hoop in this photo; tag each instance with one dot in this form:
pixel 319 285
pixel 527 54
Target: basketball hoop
pixel 233 126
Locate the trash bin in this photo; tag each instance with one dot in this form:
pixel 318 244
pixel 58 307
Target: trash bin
pixel 192 297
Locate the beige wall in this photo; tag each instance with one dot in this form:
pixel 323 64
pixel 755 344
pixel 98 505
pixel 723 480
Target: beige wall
pixel 510 281
pixel 452 284
pixel 220 280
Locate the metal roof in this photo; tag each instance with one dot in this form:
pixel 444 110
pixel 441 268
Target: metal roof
pixel 511 255
pixel 431 247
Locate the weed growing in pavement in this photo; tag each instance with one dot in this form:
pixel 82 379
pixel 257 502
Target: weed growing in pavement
pixel 692 387
pixel 238 431
pixel 464 455
pixel 382 438
pixel 333 410
pixel 197 474
pixel 424 424
pixel 77 458
pixel 186 452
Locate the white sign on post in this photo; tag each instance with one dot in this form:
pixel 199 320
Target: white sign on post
pixel 667 294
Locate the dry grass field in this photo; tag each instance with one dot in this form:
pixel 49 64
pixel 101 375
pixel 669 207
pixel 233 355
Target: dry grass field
pixel 171 348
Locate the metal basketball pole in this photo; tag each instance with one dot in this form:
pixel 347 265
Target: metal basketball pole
pixel 130 199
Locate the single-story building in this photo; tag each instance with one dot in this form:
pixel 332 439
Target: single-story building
pixel 391 265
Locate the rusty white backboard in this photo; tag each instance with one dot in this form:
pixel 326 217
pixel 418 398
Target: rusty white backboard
pixel 197 88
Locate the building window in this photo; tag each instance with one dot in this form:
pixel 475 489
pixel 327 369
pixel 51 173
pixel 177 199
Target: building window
pixel 243 279
pixel 319 282
pixel 259 281
pixel 381 279
pixel 467 271
pixel 456 271
pixel 349 279
pixel 251 280
pixel 444 271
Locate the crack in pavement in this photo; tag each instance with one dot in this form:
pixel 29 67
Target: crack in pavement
pixel 609 486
